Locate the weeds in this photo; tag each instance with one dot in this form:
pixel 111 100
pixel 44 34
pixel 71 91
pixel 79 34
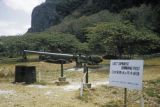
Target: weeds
pixel 111 104
pixel 86 97
pixel 152 89
pixel 102 96
pixel 41 82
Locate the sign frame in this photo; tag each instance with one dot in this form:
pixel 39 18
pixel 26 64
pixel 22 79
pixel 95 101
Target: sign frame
pixel 126 74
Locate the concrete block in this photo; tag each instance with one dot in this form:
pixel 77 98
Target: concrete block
pixel 87 85
pixel 62 79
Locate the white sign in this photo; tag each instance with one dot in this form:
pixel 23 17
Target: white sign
pixel 126 73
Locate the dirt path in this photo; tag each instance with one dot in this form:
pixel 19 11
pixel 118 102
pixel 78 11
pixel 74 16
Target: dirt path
pixel 18 95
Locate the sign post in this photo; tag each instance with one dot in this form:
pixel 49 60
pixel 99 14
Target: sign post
pixel 126 74
pixel 125 97
pixel 142 100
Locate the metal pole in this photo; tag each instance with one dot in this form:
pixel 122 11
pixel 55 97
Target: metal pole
pixel 84 68
pixel 87 75
pixel 24 56
pixel 125 97
pixel 61 68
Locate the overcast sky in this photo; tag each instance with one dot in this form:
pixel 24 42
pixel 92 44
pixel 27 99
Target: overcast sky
pixel 15 15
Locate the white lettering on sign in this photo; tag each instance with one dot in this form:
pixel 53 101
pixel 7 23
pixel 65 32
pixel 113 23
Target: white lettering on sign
pixel 126 73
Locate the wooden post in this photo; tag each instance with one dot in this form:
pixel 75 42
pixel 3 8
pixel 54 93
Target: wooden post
pixel 125 97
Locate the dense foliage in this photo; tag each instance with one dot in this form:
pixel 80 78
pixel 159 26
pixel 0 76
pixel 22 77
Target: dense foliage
pixel 76 26
pixel 52 12
pixel 55 42
pixel 113 27
pixel 121 38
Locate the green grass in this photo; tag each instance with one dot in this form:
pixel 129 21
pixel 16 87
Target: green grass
pixel 7 70
pixel 152 61
pixel 111 104
pixel 103 96
pixel 151 92
pixel 152 69
pixel 86 97
pixel 18 59
pixel 152 89
pixel 113 97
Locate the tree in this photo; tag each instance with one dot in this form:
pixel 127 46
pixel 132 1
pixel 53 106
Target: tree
pixel 121 38
pixel 77 26
pixel 144 17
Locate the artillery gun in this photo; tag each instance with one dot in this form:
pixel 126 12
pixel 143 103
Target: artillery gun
pixel 63 58
pixel 58 57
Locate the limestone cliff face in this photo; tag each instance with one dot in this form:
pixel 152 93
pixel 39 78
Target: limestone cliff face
pixel 51 13
pixel 43 16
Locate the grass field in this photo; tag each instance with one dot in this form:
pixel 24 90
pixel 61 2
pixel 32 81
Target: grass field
pixel 101 95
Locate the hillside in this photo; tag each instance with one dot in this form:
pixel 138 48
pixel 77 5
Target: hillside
pixel 116 28
pixel 75 32
pixel 52 12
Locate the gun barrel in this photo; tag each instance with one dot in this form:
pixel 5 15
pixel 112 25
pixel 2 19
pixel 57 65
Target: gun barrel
pixel 78 58
pixel 49 53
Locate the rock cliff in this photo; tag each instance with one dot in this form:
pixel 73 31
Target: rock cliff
pixel 52 12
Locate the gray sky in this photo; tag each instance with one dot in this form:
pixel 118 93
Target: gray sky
pixel 15 15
